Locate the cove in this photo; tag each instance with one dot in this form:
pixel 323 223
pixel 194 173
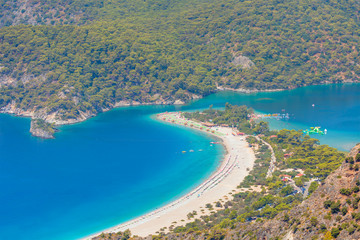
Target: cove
pixel 336 108
pixel 123 163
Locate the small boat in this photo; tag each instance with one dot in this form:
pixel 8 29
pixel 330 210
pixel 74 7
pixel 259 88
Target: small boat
pixel 183 151
pixel 191 151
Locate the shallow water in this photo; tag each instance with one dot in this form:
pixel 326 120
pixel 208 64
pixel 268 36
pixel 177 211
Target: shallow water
pixel 336 108
pixel 95 174
pixel 122 163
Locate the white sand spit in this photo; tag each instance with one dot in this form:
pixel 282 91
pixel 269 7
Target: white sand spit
pixel 219 185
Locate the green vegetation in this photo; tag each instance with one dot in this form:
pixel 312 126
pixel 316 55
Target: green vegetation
pixel 261 199
pixel 314 221
pixel 335 232
pixel 233 116
pixel 47 127
pixel 80 12
pixel 276 196
pixel 313 187
pixel 236 116
pixel 345 191
pixel 86 55
pixel 115 236
pixel 306 153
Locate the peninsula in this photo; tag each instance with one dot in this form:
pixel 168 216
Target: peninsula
pixel 287 168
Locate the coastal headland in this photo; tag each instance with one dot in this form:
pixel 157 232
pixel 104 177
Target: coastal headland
pixel 56 119
pixel 239 159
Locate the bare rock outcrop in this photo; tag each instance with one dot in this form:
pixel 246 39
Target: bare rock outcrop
pixel 243 62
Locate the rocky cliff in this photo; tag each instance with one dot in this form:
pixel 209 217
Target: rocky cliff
pixel 55 118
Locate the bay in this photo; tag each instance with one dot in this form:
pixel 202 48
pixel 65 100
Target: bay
pixel 95 174
pixel 123 163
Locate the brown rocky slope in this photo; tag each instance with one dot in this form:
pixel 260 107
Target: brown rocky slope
pixel 330 212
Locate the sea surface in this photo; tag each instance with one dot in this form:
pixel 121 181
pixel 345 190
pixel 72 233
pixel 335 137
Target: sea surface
pixel 123 163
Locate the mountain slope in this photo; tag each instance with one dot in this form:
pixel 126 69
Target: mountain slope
pixel 328 213
pixel 116 52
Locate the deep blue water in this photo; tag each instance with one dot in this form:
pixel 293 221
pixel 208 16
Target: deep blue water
pixel 122 163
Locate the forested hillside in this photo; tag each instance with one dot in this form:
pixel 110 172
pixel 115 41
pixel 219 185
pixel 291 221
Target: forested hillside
pixel 79 12
pixel 65 58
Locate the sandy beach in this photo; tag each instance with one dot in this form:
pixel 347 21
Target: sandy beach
pixel 218 187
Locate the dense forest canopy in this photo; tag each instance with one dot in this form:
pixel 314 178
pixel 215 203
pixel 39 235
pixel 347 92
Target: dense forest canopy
pixel 68 57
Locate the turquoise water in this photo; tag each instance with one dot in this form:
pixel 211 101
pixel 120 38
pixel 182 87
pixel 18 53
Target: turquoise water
pixel 95 174
pixel 336 108
pixel 122 163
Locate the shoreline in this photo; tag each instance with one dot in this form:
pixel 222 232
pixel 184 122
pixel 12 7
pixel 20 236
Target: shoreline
pixel 52 118
pixel 221 184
